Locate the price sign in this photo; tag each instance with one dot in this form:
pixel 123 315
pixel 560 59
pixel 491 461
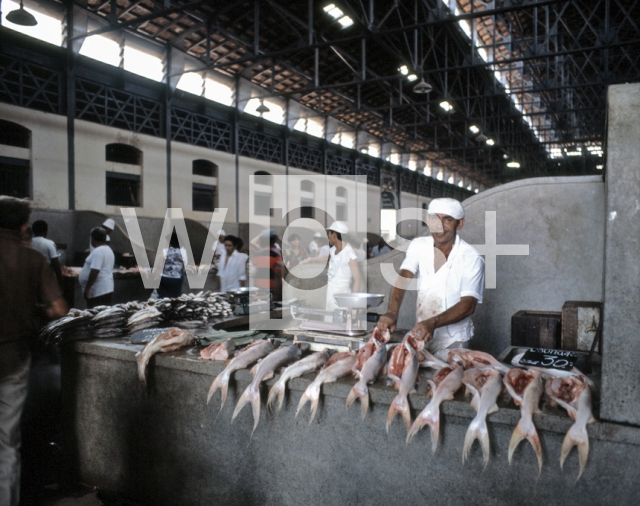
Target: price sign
pixel 146 335
pixel 549 359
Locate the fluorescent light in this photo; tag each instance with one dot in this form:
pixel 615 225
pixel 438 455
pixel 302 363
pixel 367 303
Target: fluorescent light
pixel 446 106
pixel 329 7
pixel 476 190
pixel 345 21
pixel 490 142
pixel 513 165
pixel 412 77
pixel 474 129
pixel 334 12
pixel 461 184
pixel 404 70
pixel 599 167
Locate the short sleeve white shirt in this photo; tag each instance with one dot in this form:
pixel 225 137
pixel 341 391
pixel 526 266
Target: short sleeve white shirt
pixel 45 246
pixel 313 248
pixel 339 271
pixel 102 259
pixel 233 271
pixel 466 268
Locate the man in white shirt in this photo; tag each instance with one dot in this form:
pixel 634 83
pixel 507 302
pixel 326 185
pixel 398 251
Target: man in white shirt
pixel 314 247
pixel 46 246
pixel 343 265
pixel 109 226
pixel 96 277
pixel 451 281
pixel 233 265
pixel 380 249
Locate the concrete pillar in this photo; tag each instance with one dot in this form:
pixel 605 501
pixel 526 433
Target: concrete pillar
pixel 621 344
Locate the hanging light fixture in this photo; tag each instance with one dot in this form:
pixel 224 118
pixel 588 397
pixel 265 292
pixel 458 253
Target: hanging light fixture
pixel 22 17
pixel 262 109
pixel 422 88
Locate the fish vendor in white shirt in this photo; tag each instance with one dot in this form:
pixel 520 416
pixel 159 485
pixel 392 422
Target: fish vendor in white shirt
pixel 343 265
pixel 232 270
pixel 450 281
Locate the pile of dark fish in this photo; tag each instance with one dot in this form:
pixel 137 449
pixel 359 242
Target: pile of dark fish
pixel 109 321
pixel 193 310
pixel 187 311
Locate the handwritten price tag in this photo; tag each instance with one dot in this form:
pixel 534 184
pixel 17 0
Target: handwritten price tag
pixel 549 359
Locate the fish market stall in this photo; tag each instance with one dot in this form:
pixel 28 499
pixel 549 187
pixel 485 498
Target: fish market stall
pixel 166 445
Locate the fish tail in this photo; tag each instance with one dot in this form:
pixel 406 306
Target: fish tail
pixel 143 360
pixel 361 392
pixel 221 382
pixel 351 397
pixel 276 397
pixel 419 422
pixel 576 436
pixel 526 430
pixel 477 430
pixel 364 401
pixel 400 405
pixel 434 424
pixel 311 394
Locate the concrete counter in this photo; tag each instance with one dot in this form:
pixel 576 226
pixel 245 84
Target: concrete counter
pixel 171 448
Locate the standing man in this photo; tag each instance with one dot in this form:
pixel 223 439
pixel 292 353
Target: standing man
pixel 343 265
pixel 233 264
pixel 451 281
pixel 314 247
pixel 109 226
pixel 46 246
pixel 29 288
pixel 268 263
pixel 380 249
pixel 96 276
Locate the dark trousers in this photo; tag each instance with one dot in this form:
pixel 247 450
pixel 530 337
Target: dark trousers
pixel 170 287
pixel 101 300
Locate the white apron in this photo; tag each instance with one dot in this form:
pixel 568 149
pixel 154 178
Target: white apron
pixel 432 300
pixel 335 285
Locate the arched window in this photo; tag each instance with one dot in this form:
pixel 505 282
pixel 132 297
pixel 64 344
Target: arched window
pixel 262 195
pixel 204 193
pixel 15 173
pixel 12 134
pixel 307 196
pixel 341 204
pixel 123 153
pixel 123 188
pixel 204 168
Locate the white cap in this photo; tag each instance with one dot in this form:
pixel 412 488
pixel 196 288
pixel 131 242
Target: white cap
pixel 222 232
pixel 109 223
pixel 317 234
pixel 450 207
pixel 339 226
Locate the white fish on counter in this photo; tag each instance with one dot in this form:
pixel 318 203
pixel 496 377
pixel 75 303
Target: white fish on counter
pixel 444 385
pixel 264 370
pixel 252 353
pixel 574 395
pixel 403 371
pixel 368 374
pixel 525 388
pixel 337 366
pixel 308 364
pixel 472 358
pixel 554 373
pixel 485 384
pixel 171 340
pixel 219 351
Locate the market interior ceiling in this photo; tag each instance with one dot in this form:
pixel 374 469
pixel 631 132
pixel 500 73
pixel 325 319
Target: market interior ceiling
pixel 511 80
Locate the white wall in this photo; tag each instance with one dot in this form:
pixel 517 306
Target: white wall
pixel 48 154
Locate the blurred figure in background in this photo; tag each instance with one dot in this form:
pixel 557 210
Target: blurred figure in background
pixel 233 264
pixel 294 254
pixel 267 261
pixel 173 274
pixel 314 247
pixel 109 226
pixel 29 287
pixel 96 276
pixel 380 249
pixel 46 246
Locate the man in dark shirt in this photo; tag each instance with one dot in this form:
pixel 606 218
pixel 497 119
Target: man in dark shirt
pixel 28 293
